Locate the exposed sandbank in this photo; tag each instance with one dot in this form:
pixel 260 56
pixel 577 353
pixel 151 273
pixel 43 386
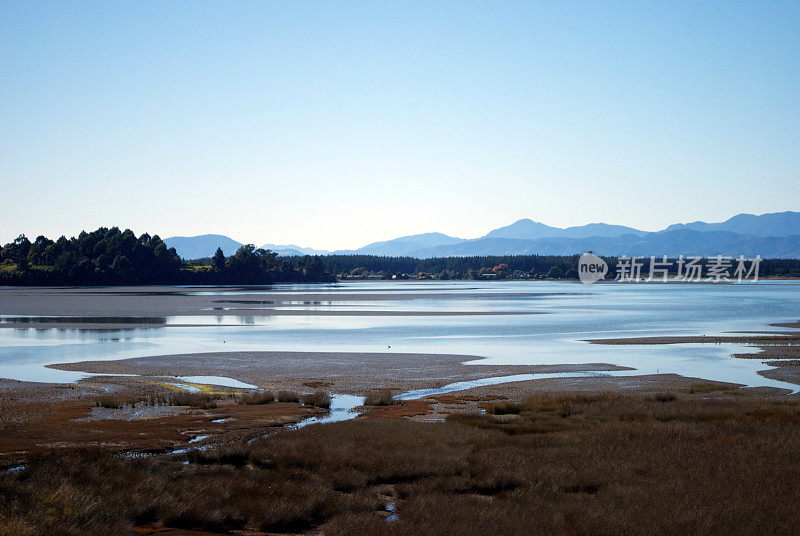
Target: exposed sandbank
pixel 345 372
pixel 651 383
pixel 777 349
pixel 754 340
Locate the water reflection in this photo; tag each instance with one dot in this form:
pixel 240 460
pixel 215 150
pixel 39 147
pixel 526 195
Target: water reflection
pixel 574 312
pixel 343 408
pixel 14 319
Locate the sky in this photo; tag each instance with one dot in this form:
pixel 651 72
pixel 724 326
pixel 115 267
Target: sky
pixel 336 124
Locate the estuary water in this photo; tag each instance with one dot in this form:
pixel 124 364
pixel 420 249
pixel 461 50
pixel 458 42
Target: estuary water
pixel 548 324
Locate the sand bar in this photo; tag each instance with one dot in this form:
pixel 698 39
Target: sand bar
pixel 345 372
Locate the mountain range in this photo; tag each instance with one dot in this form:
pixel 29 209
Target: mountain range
pixel 202 246
pixel 775 235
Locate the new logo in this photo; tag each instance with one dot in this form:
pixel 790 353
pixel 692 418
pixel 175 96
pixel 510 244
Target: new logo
pixel 591 268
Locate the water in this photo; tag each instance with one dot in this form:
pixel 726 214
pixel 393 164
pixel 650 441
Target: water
pixel 574 312
pixel 345 407
pixel 221 381
pixel 16 469
pixel 342 409
pixel 184 387
pixel 392 509
pixel 187 450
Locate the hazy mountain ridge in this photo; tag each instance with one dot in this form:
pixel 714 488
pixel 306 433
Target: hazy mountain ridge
pixel 671 243
pixel 197 247
pixel 294 249
pixel 773 224
pixel 528 229
pixel 402 246
pixel 769 235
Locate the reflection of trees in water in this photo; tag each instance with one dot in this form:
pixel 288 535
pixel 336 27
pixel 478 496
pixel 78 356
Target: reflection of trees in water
pixel 249 320
pixel 83 320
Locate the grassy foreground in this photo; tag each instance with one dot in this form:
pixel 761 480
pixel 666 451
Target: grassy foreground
pixel 606 464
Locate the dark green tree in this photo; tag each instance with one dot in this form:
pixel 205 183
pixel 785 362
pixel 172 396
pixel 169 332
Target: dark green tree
pixel 122 270
pixel 218 260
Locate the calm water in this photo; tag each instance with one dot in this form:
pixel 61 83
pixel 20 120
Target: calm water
pixel 576 312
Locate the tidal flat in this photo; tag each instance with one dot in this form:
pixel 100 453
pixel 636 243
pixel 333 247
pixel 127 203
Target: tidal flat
pixel 616 410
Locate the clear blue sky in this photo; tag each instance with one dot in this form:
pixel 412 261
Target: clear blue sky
pixel 334 124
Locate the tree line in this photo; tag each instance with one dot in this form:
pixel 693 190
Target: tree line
pixel 505 266
pixel 109 256
pixel 453 267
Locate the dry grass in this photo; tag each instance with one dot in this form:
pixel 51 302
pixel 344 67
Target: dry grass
pixel 503 408
pixel 665 397
pixel 288 396
pixel 7 419
pixel 195 400
pixel 116 402
pixel 317 384
pixel 181 398
pixel 318 399
pixel 560 465
pixel 380 397
pixel 709 387
pixel 256 398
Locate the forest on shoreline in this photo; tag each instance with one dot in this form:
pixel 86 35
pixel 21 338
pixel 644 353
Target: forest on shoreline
pixel 109 256
pixel 502 267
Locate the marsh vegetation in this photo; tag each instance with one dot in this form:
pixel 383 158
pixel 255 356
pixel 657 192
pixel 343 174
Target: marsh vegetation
pixel 672 463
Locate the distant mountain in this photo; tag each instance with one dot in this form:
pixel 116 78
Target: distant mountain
pixel 198 247
pixel 524 229
pixel 768 235
pixel 671 243
pixel 288 250
pixel 601 229
pixel 529 229
pixel 405 244
pixel 774 224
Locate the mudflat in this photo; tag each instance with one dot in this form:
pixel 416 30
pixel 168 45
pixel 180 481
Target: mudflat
pixel 343 372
